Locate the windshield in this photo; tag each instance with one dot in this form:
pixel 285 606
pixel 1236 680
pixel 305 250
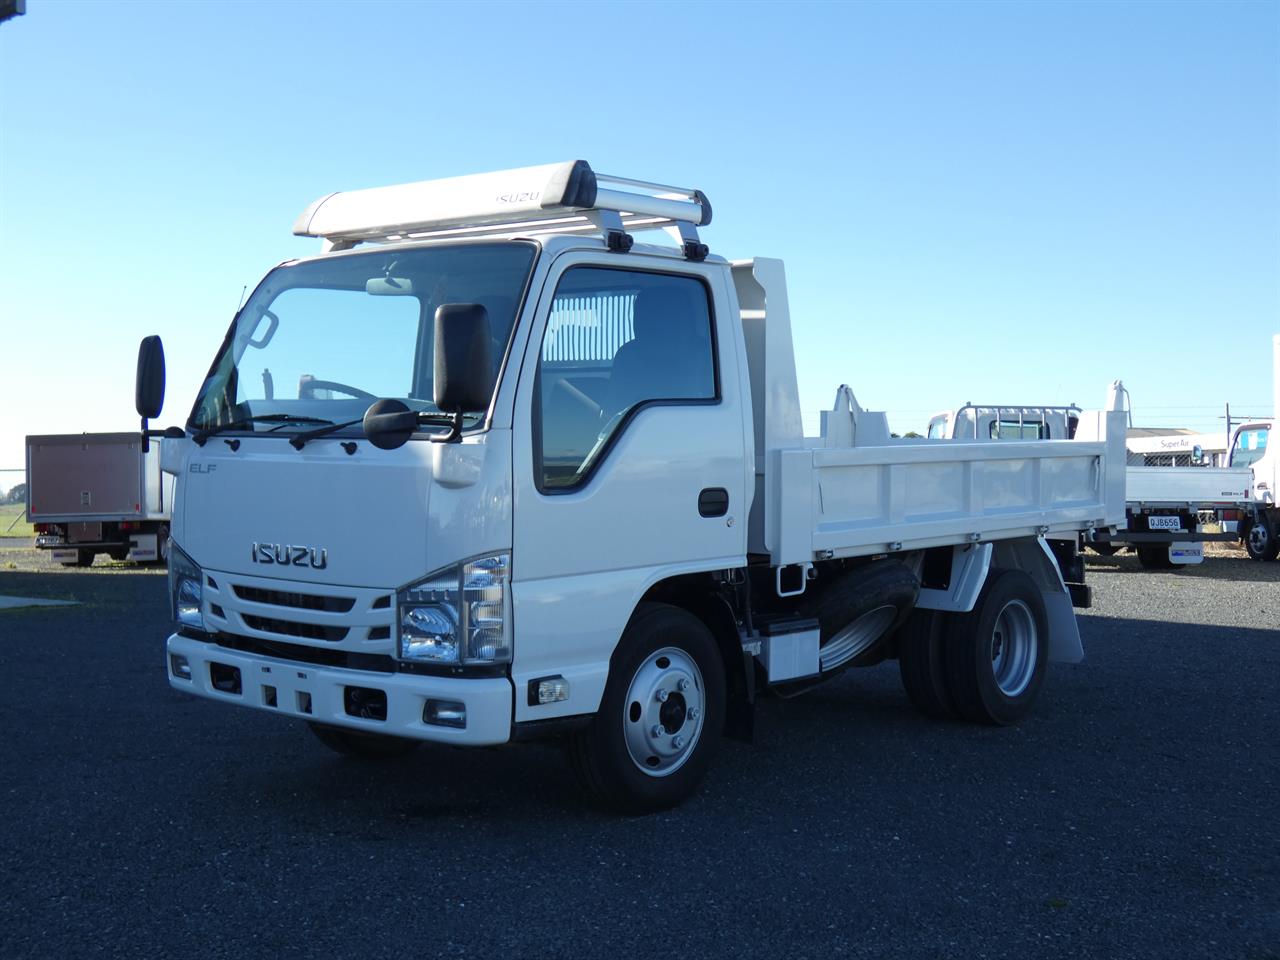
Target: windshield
pixel 321 340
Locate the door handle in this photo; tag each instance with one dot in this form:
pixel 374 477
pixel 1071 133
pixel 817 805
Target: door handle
pixel 713 502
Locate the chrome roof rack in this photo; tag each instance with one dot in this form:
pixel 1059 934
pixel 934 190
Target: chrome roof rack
pixel 568 198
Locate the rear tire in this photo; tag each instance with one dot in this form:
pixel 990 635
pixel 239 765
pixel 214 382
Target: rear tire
pixel 922 663
pixel 367 746
pixel 1261 540
pixel 1155 558
pixel 996 654
pixel 661 717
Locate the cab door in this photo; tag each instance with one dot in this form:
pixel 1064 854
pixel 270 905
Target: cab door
pixel 630 459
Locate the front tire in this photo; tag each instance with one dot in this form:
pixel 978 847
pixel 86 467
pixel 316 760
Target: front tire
pixel 1261 540
pixel 660 719
pixel 996 654
pixel 367 746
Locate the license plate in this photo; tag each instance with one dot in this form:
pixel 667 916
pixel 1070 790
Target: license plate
pixel 1164 523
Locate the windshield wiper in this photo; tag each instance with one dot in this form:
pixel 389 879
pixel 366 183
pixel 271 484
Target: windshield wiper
pixel 299 440
pixel 201 437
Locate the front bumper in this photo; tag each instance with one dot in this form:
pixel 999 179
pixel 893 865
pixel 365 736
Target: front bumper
pixel 292 686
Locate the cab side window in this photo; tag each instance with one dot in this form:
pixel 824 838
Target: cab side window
pixel 616 341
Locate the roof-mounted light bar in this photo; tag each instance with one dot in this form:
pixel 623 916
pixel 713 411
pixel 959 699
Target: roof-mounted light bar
pixel 553 198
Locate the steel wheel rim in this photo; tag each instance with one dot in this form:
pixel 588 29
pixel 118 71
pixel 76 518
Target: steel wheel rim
pixel 1258 536
pixel 1015 642
pixel 664 711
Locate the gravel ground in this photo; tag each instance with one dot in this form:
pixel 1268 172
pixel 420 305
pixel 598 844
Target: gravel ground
pixel 1133 815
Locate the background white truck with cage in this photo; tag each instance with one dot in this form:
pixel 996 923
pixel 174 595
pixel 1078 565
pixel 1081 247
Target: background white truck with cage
pixel 486 469
pixel 1166 507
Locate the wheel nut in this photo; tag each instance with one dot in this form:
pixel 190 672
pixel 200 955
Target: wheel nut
pixel 677 742
pixel 693 713
pixel 683 685
pixel 661 695
pixel 657 731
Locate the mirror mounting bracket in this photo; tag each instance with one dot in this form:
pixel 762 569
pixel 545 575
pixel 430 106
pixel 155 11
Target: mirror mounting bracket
pixel 455 431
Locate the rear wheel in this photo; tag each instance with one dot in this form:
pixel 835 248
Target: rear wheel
pixel 1261 541
pixel 1155 558
pixel 996 654
pixel 660 720
pixel 922 663
pixel 368 746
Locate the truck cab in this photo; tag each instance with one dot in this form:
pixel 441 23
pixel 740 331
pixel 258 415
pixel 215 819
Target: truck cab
pixel 991 422
pixel 1253 449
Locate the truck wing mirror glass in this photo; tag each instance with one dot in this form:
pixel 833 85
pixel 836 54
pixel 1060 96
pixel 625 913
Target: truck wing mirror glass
pixel 463 375
pixel 149 387
pixel 389 424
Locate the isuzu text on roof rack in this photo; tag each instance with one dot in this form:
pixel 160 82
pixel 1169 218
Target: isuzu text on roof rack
pixel 484 470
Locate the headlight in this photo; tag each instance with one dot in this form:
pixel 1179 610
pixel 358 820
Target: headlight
pixel 185 595
pixel 459 615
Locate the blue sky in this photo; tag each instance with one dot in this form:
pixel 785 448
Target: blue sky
pixel 998 202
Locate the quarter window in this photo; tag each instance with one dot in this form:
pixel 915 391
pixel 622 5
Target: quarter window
pixel 616 340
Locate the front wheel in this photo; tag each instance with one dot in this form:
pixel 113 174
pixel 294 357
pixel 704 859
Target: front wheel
pixel 996 654
pixel 659 723
pixel 1261 541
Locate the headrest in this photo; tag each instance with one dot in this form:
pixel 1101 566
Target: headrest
pixel 659 312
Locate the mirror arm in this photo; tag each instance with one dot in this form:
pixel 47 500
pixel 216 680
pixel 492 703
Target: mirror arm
pixel 168 433
pixel 455 431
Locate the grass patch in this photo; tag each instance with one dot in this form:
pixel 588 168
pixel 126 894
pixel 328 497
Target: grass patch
pixel 13 521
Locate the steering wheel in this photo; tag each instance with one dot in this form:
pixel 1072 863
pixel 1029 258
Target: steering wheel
pixel 307 389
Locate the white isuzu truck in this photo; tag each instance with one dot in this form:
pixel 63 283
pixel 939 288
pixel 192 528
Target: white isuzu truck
pixel 1259 521
pixel 486 470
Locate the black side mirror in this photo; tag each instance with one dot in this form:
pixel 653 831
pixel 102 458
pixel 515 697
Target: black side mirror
pixel 463 358
pixel 389 423
pixel 149 386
